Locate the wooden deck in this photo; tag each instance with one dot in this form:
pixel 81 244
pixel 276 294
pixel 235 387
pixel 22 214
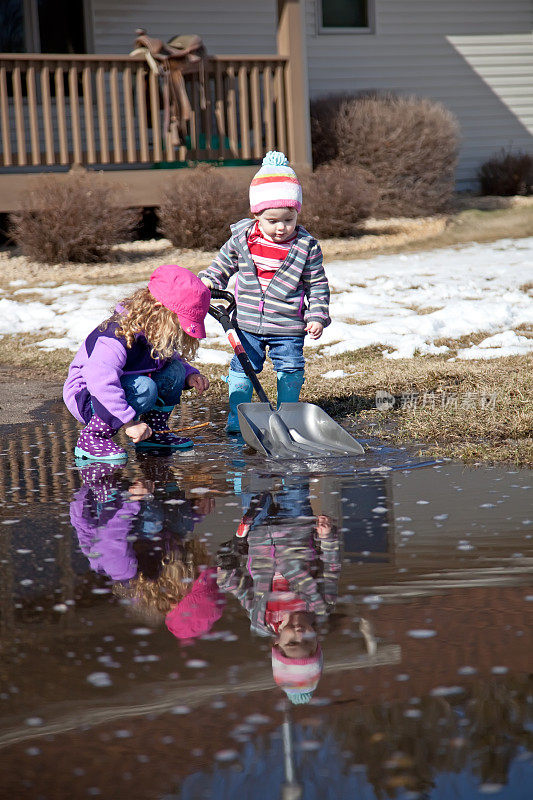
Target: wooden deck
pixel 105 112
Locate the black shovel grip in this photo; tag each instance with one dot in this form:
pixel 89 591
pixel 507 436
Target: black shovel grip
pixel 219 312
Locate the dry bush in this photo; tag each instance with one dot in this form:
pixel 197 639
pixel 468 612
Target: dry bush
pixel 324 111
pixel 507 174
pixel 78 219
pixel 409 144
pixel 336 199
pixel 198 209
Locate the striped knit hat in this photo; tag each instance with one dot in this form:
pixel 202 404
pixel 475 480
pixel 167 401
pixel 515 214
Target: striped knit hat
pixel 275 185
pixel 298 677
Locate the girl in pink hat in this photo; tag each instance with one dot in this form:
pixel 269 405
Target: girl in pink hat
pixel 131 370
pixel 282 292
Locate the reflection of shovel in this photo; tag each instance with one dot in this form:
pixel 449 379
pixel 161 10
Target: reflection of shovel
pixel 295 429
pixel 291 789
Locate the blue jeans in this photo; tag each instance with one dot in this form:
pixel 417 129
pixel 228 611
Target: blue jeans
pixel 286 352
pixel 164 388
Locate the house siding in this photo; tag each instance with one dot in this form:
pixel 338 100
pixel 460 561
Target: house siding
pixel 474 56
pixel 232 27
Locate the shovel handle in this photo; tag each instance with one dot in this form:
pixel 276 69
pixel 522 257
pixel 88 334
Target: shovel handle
pixel 222 315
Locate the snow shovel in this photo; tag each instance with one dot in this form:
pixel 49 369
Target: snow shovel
pixel 295 430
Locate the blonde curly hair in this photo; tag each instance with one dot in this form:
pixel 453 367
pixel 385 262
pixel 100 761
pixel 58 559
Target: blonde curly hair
pixel 160 326
pixel 180 568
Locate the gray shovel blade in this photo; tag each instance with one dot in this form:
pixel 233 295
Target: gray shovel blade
pixel 295 430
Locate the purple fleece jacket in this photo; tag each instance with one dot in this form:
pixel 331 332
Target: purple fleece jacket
pixel 95 372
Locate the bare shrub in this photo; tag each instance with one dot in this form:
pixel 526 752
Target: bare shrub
pixel 336 199
pixel 324 111
pixel 507 174
pixel 78 219
pixel 409 144
pixel 198 209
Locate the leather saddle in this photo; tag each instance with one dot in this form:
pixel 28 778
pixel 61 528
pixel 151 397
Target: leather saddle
pixel 171 61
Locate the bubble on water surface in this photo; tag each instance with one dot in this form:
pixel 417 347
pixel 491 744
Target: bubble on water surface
pixel 196 663
pixel 309 745
pixel 226 755
pixel 421 633
pixel 34 722
pixel 467 670
pixel 142 631
pixel 379 510
pixel 99 679
pixel 33 751
pixel 490 788
pixel 499 670
pixel 61 608
pixel 446 691
pixel 180 710
pixel 257 719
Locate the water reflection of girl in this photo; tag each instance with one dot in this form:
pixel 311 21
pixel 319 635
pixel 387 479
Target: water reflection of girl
pixel 145 546
pixel 283 566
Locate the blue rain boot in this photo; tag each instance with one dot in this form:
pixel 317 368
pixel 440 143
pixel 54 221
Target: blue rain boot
pixel 289 386
pixel 240 391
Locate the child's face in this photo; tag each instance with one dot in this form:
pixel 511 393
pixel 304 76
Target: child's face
pixel 297 637
pixel 278 223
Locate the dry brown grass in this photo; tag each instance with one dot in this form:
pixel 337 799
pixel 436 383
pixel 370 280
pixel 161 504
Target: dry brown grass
pixel 474 410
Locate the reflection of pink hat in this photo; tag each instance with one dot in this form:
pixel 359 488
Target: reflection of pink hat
pixel 298 677
pixel 199 610
pixel 183 293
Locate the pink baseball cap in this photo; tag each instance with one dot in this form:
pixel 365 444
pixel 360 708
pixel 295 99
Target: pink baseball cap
pixel 182 292
pixel 198 611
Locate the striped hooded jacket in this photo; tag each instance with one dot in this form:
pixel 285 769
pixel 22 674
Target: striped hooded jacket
pixel 297 294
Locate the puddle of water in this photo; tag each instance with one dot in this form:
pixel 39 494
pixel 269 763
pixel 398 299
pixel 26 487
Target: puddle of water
pixel 213 625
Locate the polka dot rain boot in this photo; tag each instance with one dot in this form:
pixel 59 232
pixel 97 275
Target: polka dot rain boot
pixel 162 437
pixel 95 442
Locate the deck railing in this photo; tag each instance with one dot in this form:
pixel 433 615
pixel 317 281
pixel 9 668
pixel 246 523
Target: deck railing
pixel 58 110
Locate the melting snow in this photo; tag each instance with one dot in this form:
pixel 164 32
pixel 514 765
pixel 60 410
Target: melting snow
pixel 406 303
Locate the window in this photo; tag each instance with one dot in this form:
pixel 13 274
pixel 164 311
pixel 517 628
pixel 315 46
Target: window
pixel 42 26
pixel 345 16
pixel 11 26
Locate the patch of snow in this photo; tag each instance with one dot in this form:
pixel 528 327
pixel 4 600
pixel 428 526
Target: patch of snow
pixel 405 303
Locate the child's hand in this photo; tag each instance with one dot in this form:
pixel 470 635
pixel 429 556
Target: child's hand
pixel 197 381
pixel 314 329
pixel 323 526
pixel 140 488
pixel 138 432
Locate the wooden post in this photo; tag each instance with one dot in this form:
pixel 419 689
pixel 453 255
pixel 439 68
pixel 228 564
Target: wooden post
pixel 291 43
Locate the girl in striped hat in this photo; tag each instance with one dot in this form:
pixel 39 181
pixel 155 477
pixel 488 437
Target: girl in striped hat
pixel 282 291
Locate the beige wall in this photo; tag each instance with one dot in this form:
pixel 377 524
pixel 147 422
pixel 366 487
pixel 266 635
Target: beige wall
pixel 475 56
pixel 232 26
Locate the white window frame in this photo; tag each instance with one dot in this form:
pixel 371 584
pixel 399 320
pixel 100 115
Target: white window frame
pixel 370 28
